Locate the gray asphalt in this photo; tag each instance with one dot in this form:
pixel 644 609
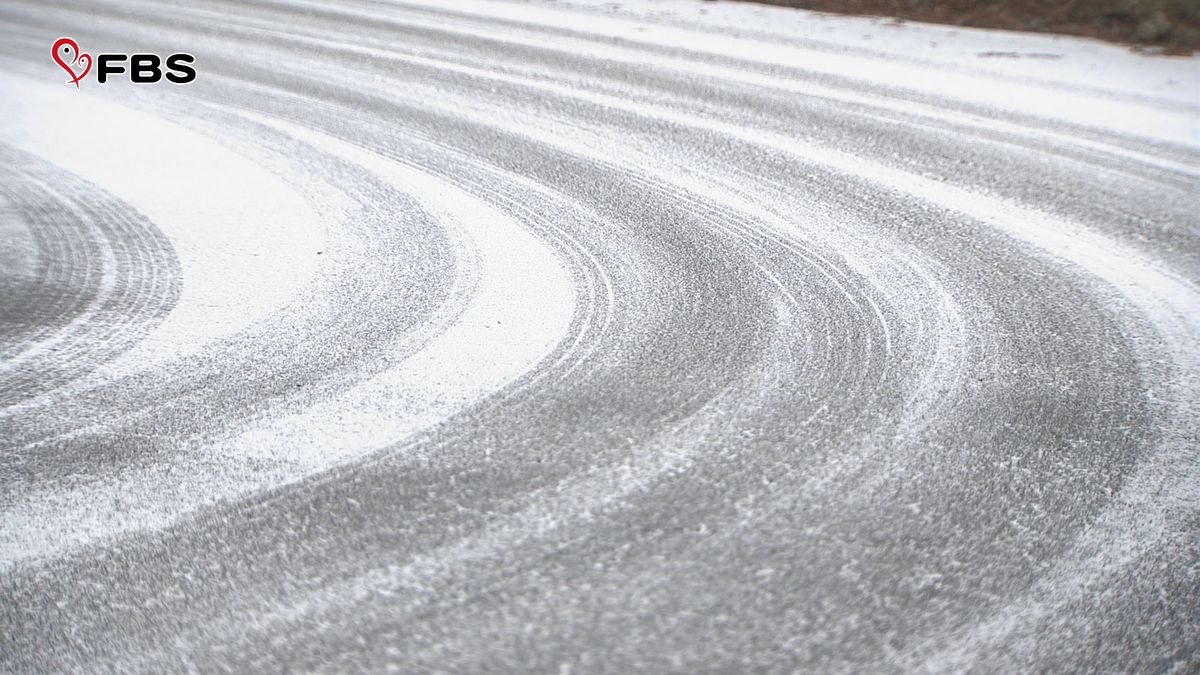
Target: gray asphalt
pixel 907 382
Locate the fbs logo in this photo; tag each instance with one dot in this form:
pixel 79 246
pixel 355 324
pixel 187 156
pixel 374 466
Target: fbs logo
pixel 143 68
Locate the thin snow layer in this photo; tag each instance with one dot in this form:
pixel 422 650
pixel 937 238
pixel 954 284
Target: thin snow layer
pixel 593 336
pixel 245 240
pixel 1100 86
pixel 508 269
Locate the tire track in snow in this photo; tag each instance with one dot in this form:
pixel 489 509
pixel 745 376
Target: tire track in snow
pixel 651 336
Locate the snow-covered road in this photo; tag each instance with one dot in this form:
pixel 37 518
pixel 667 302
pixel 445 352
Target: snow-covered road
pixel 595 337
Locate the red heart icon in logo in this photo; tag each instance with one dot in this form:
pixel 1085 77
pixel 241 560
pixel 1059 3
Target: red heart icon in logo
pixel 66 47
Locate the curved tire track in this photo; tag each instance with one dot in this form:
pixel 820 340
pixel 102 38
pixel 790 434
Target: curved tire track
pixel 672 336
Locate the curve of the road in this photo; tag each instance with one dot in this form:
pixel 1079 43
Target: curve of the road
pixel 595 337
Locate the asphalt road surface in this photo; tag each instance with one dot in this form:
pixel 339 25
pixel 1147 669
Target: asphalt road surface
pixel 613 337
